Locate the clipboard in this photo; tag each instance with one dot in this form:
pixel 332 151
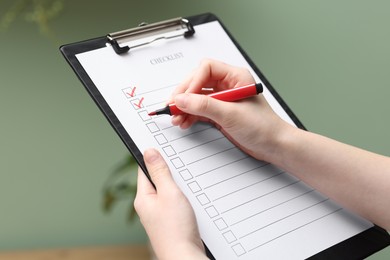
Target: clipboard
pixel 124 43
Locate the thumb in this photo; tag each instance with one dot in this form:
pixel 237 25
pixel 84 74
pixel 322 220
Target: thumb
pixel 158 169
pixel 201 105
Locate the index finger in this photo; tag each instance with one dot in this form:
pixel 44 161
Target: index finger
pixel 182 87
pixel 215 75
pixel 211 74
pixel 208 75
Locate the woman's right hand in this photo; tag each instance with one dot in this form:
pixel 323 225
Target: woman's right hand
pixel 250 124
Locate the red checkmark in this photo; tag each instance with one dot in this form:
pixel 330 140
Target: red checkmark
pixel 139 104
pixel 132 93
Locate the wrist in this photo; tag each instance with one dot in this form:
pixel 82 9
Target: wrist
pixel 282 141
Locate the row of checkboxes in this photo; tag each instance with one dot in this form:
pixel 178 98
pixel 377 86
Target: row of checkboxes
pixel 195 188
pixel 185 174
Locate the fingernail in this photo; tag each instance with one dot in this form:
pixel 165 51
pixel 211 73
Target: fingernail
pixel 151 155
pixel 181 100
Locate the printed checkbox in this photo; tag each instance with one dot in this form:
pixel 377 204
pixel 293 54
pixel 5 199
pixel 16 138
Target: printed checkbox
pixel 177 162
pixel 238 249
pixel 229 236
pixel 137 103
pixel 153 127
pixel 169 151
pixel 194 186
pixel 220 223
pixel 212 211
pixel 186 174
pixel 203 199
pixel 160 138
pixel 144 115
pixel 129 92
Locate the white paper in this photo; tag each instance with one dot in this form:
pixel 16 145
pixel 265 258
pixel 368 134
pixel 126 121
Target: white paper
pixel 246 209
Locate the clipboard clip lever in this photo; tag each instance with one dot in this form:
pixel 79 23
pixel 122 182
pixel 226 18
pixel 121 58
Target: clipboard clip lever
pixel 144 34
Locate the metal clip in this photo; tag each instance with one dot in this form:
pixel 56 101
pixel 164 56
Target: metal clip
pixel 123 41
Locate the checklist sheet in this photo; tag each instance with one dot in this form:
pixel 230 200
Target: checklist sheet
pixel 245 208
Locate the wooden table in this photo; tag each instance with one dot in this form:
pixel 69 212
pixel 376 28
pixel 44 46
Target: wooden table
pixel 125 252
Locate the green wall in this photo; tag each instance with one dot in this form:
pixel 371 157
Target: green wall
pixel 329 60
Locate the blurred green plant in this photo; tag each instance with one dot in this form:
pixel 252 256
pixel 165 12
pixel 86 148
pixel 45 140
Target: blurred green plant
pixel 39 12
pixel 121 185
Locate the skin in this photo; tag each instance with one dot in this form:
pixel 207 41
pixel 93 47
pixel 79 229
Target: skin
pixel 357 179
pixel 165 213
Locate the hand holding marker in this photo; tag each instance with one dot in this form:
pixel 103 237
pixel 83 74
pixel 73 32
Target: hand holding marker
pixel 233 94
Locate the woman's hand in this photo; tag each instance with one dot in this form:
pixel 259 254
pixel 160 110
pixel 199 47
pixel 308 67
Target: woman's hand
pixel 322 163
pixel 165 213
pixel 250 124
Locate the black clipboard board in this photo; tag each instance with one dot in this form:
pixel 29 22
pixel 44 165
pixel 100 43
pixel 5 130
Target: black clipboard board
pixel 357 247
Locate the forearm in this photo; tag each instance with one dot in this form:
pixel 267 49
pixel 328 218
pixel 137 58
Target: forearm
pixel 357 179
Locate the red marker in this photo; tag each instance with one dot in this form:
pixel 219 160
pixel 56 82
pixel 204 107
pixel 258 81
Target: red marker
pixel 233 94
